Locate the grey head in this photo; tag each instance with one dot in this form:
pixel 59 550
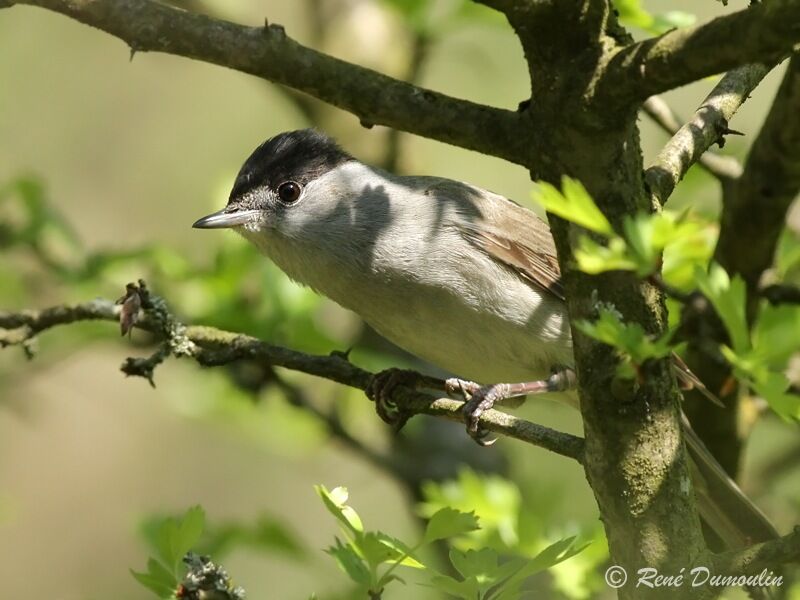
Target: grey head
pixel 273 178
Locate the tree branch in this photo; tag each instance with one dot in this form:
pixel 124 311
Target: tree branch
pixel 754 214
pixel 756 558
pixel 724 168
pixel 267 52
pixel 708 126
pixel 762 33
pixel 213 347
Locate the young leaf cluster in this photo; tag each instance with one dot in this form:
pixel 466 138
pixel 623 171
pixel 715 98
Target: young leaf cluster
pixel 370 558
pixel 677 250
pixel 173 541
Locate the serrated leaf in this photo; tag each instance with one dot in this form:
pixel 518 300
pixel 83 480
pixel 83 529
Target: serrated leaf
pixel 334 501
pixel 350 562
pixel 770 385
pixel 728 297
pixel 176 536
pixel 774 389
pixel 400 551
pixel 480 564
pixel 157 579
pixel 468 589
pixel 573 203
pixel 552 555
pixel 629 338
pixel 448 522
pixel 594 258
pixel 190 528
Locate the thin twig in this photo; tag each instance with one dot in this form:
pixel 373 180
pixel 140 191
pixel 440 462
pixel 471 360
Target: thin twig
pixel 724 168
pixel 213 347
pixel 708 126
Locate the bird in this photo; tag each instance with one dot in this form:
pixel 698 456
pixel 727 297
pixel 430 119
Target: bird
pixel 459 276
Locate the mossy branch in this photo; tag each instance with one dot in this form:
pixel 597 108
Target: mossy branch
pixel 210 346
pixel 762 33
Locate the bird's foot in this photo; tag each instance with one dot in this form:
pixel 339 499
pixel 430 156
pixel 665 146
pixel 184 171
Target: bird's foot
pixel 383 385
pixel 478 399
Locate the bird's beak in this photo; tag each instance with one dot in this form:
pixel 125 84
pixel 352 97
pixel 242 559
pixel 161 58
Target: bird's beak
pixel 223 220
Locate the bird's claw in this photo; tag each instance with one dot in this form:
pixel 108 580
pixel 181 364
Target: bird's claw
pixel 477 400
pixel 381 389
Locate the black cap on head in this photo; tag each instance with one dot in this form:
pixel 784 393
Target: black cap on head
pixel 300 156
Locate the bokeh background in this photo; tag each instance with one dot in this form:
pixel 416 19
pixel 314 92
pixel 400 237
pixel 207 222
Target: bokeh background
pixel 121 156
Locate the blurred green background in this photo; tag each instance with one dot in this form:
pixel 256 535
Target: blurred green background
pixel 129 153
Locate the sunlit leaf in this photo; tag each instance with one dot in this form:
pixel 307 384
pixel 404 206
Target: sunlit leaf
pixel 334 501
pixel 350 562
pixel 573 203
pixel 728 298
pixel 449 522
pixel 157 579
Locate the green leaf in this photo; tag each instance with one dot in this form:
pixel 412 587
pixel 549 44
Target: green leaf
pixel 774 389
pixel 728 298
pixel 158 579
pixel 350 562
pixel 376 551
pixel 552 555
pixel 399 552
pixel 776 333
pixel 629 338
pixel 334 501
pixel 190 528
pixel 574 204
pixel 449 522
pixel 174 537
pixel 480 564
pixel 494 500
pixel 467 589
pixel 594 258
pixel 770 385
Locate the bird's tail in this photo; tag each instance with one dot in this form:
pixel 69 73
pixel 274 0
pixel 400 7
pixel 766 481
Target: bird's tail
pixel 730 514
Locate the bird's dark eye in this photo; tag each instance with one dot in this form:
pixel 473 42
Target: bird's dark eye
pixel 289 192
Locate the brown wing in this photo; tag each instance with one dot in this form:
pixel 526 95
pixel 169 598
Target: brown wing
pixel 514 236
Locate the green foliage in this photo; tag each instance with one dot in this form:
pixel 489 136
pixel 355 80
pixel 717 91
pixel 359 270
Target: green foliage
pixel 634 345
pixel 496 501
pixel 449 522
pixel 172 540
pixel 728 298
pixel 370 558
pixel 632 14
pixel 574 203
pixel 758 360
pixel 759 356
pixel 679 242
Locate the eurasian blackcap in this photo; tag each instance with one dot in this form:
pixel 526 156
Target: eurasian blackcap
pixel 459 276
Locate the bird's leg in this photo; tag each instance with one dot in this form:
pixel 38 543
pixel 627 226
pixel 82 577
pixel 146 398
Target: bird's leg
pixel 383 385
pixel 480 398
